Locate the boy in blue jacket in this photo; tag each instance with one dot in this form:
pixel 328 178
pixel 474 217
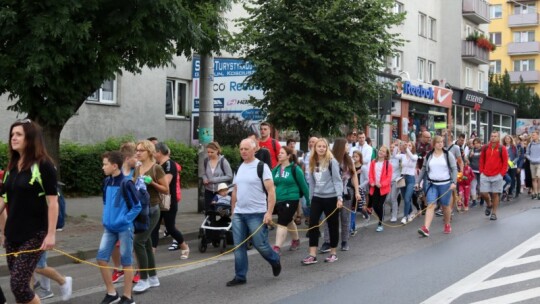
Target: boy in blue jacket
pixel 118 223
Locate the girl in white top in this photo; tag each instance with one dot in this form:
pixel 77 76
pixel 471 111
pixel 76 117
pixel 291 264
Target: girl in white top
pixel 441 169
pixel 407 156
pixel 396 174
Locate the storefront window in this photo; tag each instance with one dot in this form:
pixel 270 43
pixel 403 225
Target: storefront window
pixel 503 124
pixel 483 126
pixel 423 115
pixel 462 121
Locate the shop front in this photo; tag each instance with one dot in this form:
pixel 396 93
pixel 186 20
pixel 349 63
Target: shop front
pixel 477 115
pixel 422 107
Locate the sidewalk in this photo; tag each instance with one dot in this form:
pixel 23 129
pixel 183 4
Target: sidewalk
pixel 83 229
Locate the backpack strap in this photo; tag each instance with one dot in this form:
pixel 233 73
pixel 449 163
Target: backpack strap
pixel 293 172
pixel 274 146
pixel 260 170
pixel 6 173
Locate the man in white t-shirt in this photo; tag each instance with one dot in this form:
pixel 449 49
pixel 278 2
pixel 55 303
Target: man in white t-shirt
pixel 365 148
pixel 250 209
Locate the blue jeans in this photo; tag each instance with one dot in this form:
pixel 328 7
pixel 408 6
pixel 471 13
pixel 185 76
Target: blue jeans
pixel 243 225
pixel 434 191
pixel 407 192
pixel 108 241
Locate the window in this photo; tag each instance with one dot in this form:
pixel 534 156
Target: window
pixel 525 8
pixel 468 30
pixel 524 65
pixel 468 77
pixel 495 66
pixel 481 82
pixel 432 29
pixel 396 61
pixel 527 36
pixel 398 8
pixel 422 25
pixel 495 11
pixel 106 93
pixel 431 71
pixel 502 123
pixel 495 38
pixel 421 69
pixel 176 98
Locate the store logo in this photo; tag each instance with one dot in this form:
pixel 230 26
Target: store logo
pixel 418 91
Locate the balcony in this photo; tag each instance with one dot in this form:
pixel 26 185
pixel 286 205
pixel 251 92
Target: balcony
pixel 476 11
pixel 523 48
pixel 528 76
pixel 470 52
pixel 523 20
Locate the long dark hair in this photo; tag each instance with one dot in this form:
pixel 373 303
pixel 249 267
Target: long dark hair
pixel 34 151
pixel 343 158
pixel 292 157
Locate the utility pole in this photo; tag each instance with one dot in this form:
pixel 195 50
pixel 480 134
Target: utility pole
pixel 206 118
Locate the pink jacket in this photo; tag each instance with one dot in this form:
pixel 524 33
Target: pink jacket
pixel 386 177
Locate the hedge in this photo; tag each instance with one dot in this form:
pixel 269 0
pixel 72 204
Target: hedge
pixel 80 165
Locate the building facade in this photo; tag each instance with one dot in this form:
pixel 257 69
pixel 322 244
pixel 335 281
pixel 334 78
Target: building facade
pixel 514 29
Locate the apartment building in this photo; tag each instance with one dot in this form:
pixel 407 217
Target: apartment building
pixel 444 69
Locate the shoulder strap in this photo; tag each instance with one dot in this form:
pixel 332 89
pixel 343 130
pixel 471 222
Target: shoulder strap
pixel 222 165
pixel 274 146
pixel 448 160
pixel 293 171
pixel 260 169
pixel 330 167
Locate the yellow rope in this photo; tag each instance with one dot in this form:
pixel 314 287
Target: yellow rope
pixel 76 259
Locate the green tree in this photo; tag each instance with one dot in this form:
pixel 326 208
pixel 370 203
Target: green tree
pixel 316 60
pixel 523 98
pixel 54 54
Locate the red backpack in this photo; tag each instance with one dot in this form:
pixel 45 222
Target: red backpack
pixel 178 189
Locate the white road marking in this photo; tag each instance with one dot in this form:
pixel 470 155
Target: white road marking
pixel 477 280
pixel 513 297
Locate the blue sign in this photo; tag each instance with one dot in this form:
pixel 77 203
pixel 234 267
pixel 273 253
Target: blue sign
pixel 253 114
pixel 219 103
pixel 225 67
pixel 418 91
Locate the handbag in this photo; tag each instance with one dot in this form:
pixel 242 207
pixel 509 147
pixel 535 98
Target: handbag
pixel 164 199
pixel 400 182
pixel 164 202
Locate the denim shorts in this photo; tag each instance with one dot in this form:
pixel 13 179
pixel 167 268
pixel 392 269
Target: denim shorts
pixel 108 241
pixel 435 193
pixel 42 263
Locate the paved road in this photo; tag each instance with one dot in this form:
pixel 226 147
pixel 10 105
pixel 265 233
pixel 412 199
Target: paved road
pixel 481 260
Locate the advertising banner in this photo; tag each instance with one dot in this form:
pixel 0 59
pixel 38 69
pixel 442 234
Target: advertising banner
pixel 526 126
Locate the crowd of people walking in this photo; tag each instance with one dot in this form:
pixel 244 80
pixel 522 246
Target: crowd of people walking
pixel 331 186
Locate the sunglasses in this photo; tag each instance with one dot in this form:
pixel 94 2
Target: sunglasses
pixel 23 121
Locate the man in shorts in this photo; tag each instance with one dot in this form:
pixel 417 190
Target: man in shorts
pixel 493 167
pixel 43 286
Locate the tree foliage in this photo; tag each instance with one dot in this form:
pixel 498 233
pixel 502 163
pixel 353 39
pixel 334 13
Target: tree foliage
pixel 316 60
pixel 501 87
pixel 54 54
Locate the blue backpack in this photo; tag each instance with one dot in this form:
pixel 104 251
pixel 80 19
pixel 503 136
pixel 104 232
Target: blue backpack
pixel 142 221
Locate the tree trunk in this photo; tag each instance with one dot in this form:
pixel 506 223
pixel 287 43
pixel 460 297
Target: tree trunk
pixel 51 136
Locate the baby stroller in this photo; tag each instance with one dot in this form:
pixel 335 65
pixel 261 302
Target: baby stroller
pixel 216 228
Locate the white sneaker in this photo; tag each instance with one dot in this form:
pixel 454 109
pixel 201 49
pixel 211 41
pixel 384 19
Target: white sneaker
pixel 141 286
pixel 153 281
pixel 411 217
pixel 66 289
pixel 404 220
pixel 393 219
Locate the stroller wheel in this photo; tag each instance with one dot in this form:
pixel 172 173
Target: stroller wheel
pixel 223 244
pixel 202 246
